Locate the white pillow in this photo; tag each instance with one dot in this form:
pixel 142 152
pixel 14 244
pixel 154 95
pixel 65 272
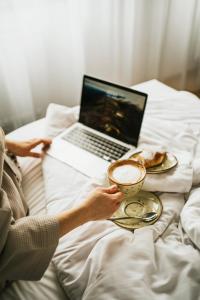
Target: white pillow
pixel 59 117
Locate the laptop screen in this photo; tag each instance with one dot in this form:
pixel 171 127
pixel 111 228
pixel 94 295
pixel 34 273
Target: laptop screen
pixel 112 109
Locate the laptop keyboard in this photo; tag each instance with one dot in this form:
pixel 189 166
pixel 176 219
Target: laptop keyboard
pixel 95 144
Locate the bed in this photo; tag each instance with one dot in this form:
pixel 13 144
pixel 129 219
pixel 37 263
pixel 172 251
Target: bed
pixel 60 280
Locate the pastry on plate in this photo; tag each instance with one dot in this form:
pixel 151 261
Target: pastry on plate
pixel 151 158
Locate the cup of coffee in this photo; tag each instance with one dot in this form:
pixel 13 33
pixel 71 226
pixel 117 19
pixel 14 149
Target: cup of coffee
pixel 128 175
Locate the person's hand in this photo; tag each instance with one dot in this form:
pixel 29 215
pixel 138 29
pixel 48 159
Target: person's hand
pixel 24 148
pixel 102 202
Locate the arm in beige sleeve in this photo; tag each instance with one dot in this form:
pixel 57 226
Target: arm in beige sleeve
pixel 26 245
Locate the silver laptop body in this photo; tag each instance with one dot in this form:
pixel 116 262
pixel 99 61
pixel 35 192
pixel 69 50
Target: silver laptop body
pixel 108 128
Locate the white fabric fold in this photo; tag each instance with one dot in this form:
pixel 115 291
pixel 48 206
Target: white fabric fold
pixel 58 118
pixel 179 179
pixel 196 161
pixel 181 144
pixel 190 217
pixel 101 260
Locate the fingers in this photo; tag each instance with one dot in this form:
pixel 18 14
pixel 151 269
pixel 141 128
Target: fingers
pixel 46 142
pixel 117 205
pixel 111 189
pixel 114 190
pixel 118 197
pixel 35 154
pixel 45 147
pixel 36 142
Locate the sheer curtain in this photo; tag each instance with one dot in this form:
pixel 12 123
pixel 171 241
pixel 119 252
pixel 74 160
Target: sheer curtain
pixel 47 45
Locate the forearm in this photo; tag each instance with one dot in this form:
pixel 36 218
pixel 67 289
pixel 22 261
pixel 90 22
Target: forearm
pixel 100 204
pixel 72 218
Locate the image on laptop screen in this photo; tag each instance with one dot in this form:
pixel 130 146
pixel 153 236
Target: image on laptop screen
pixel 111 109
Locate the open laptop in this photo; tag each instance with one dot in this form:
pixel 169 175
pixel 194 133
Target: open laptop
pixel 107 130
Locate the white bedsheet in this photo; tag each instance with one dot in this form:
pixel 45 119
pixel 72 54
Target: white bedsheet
pixel 99 260
pixel 154 262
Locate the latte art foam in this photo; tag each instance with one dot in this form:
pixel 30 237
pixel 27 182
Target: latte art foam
pixel 126 174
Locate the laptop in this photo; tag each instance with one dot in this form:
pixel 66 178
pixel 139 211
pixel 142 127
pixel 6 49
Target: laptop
pixel 108 128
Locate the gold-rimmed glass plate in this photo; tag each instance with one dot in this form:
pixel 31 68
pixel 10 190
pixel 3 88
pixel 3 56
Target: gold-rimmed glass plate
pixel 169 162
pixel 138 205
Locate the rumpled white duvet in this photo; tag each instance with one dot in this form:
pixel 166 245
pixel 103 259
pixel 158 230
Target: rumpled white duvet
pixel 99 260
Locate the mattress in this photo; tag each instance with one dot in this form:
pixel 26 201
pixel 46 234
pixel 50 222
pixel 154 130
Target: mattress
pixel 33 185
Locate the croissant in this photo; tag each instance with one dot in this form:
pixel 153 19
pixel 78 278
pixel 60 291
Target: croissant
pixel 152 159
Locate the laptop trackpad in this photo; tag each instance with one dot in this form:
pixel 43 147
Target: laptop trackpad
pixel 81 160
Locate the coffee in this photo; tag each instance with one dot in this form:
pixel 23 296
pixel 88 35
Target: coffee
pixel 126 174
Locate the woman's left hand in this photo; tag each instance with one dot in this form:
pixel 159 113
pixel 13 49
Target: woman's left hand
pixel 24 148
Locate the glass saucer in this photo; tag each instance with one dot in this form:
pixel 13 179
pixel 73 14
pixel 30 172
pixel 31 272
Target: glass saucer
pixel 168 163
pixel 138 205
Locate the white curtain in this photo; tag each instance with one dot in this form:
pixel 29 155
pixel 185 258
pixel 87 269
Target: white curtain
pixel 47 45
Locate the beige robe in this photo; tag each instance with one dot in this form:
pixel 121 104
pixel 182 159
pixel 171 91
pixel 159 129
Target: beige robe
pixel 27 243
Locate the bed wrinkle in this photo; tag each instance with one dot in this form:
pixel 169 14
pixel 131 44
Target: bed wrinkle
pixel 158 263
